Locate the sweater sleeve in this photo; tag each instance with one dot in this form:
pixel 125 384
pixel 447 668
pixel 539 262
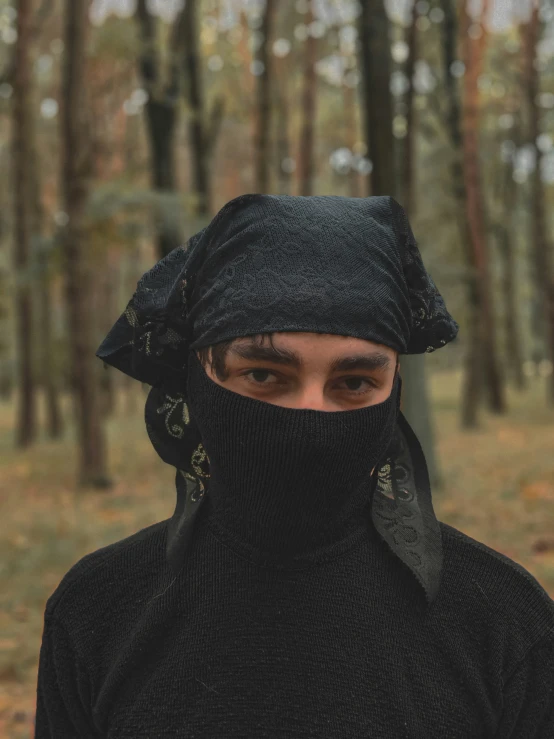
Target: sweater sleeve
pixel 529 696
pixel 63 688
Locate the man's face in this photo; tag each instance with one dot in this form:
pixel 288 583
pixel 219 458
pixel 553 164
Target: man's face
pixel 323 372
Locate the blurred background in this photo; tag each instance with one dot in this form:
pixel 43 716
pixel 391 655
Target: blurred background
pixel 126 124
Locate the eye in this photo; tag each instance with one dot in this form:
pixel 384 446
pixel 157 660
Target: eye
pixel 353 385
pixel 258 376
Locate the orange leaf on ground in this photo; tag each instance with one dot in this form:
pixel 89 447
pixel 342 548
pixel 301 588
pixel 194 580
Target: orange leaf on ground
pixel 540 490
pixel 8 644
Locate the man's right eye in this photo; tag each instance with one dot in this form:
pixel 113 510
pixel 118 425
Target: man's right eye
pixel 258 376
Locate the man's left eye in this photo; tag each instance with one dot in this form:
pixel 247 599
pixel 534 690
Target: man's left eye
pixel 357 381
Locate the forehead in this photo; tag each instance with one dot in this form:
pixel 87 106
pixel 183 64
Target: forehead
pixel 315 350
pixel 303 341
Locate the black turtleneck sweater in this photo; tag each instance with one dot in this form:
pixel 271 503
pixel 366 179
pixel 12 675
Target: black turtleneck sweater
pixel 290 616
pixel 338 648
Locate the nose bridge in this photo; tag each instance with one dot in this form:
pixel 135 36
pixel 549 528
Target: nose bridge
pixel 311 394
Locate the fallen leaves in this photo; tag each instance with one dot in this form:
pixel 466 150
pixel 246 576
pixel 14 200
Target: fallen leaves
pixel 511 436
pixel 539 490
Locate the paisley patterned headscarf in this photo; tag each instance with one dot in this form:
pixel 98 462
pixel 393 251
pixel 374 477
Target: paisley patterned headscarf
pixel 274 263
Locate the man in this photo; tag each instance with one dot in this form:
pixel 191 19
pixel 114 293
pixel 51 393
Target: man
pixel 303 586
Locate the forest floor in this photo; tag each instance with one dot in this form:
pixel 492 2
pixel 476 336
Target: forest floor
pixel 499 489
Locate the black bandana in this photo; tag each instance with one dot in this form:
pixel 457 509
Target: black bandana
pixel 323 264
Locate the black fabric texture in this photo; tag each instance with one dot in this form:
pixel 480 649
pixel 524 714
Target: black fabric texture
pixel 326 264
pixel 348 266
pixel 340 648
pixel 287 483
pixel 292 594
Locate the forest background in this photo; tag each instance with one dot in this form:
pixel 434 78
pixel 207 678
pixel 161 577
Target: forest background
pixel 126 124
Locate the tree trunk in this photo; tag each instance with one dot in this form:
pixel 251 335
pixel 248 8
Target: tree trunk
pixel 505 230
pixel 263 99
pixel 49 379
pixel 415 389
pixel 282 106
pixel 161 119
pixel 197 133
pixel 26 428
pixel 54 417
pixel 78 265
pixel 473 376
pixel 416 406
pixel 7 384
pixel 544 276
pixel 132 272
pixel 514 358
pixel 282 135
pixel 6 376
pixel 243 51
pixel 474 57
pixel 349 100
pixel 375 67
pixel 408 160
pixel 105 288
pixel 306 152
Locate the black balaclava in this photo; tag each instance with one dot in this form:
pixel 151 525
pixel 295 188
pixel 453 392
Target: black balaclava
pixel 283 483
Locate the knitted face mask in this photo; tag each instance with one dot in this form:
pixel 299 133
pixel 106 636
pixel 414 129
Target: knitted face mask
pixel 346 266
pixel 286 482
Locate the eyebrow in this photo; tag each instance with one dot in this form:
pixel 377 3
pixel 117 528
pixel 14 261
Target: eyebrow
pixel 370 362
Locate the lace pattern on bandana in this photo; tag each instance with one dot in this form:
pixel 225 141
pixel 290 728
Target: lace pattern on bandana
pixel 395 510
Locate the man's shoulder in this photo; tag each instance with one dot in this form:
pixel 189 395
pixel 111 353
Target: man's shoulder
pixel 479 578
pixel 113 564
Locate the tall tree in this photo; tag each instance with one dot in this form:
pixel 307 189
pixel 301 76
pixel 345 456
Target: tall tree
pixel 474 37
pixel 202 132
pixel 263 99
pixel 349 101
pixel 44 248
pixel 541 253
pixel 110 79
pixel 473 377
pixel 283 66
pixel 282 127
pixel 183 76
pixel 376 63
pixel 375 66
pixel 105 289
pixel 416 397
pixel 22 120
pixel 77 261
pixel 6 378
pixel 161 109
pixel 306 149
pixel 409 141
pixel 505 229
